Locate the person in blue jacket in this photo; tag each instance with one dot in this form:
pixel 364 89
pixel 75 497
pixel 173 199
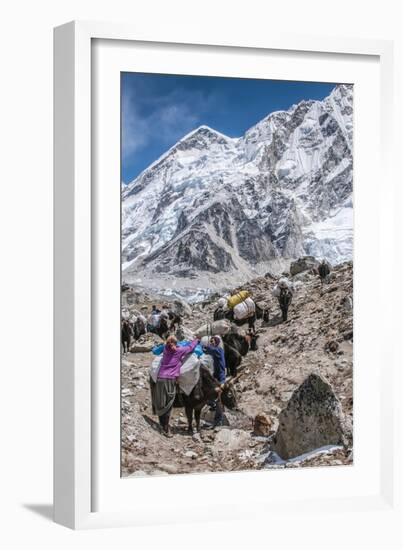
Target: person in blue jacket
pixel 217 353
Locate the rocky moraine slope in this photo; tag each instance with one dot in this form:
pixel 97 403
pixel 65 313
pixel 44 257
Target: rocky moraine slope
pixel 295 392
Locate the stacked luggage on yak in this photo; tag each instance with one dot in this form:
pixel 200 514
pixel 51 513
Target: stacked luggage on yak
pixel 220 328
pixel 242 305
pixel 190 369
pixel 244 309
pixel 237 298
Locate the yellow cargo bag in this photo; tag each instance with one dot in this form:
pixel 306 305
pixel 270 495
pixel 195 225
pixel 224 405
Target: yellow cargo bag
pixel 238 298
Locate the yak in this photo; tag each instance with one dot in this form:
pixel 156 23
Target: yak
pixel 260 313
pixel 139 328
pixel 176 320
pixel 206 390
pixel 162 329
pixel 126 334
pixel 237 346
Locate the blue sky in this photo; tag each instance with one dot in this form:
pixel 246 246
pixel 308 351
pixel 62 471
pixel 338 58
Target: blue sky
pixel 157 110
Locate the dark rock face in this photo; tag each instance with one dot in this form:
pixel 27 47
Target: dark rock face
pixel 253 244
pixel 303 264
pixel 218 217
pixel 182 223
pixel 194 251
pixel 312 418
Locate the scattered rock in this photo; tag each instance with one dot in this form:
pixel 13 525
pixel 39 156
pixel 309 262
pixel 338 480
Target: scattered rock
pixel 347 303
pixel 137 348
pixel 190 454
pixel 330 289
pixel 228 440
pixel 305 263
pixel 312 418
pixel 332 346
pixel 348 334
pixel 262 424
pixel 264 386
pixel 169 468
pixel 138 473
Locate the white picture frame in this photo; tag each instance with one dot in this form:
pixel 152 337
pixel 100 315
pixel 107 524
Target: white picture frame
pixel 78 206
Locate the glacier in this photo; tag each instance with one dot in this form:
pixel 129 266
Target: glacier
pixel 214 210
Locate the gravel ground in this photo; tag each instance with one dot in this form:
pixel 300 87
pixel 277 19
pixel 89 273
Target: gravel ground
pixel 316 338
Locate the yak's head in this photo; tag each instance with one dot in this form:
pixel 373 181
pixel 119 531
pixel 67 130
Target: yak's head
pixel 228 395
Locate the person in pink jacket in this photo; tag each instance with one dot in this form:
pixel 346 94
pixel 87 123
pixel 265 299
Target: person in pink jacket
pixel 163 392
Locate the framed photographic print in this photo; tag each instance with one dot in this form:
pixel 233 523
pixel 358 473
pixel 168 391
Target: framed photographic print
pixel 214 204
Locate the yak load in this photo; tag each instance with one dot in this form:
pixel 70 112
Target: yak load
pixel 196 384
pixel 219 327
pixel 240 308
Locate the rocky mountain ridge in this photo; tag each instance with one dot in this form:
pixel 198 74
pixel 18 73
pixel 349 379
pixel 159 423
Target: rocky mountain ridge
pixel 216 211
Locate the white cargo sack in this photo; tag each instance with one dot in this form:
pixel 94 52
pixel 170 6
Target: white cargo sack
pixel 221 327
pixel 244 310
pixel 207 361
pixel 154 320
pixel 189 374
pixel 125 314
pixel 276 291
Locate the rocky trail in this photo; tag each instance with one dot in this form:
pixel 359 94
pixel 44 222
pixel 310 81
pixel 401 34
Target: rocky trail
pixel 316 340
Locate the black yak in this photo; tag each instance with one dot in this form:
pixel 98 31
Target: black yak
pixel 162 329
pixel 237 346
pixel 175 319
pixel 260 313
pixel 126 333
pixel 207 389
pixel 139 327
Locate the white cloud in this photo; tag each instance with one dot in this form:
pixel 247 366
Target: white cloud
pixel 168 118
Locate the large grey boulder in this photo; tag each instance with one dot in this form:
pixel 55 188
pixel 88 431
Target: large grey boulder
pixel 303 264
pixel 312 418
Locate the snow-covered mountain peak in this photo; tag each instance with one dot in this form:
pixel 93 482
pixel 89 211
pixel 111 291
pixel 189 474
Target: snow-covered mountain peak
pixel 204 131
pixel 202 138
pixel 235 207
